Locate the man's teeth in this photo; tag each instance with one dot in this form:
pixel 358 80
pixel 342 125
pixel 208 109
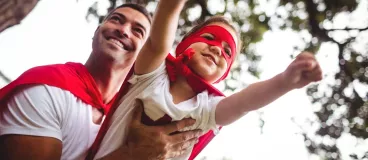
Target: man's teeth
pixel 117 43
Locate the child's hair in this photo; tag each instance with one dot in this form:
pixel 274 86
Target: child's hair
pixel 213 19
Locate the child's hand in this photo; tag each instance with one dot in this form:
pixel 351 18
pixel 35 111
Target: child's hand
pixel 302 71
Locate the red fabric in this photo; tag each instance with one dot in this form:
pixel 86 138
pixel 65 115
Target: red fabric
pixel 177 66
pixel 73 77
pixel 105 125
pixel 220 35
pixel 171 66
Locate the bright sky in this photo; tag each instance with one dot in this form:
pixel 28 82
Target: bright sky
pixel 57 32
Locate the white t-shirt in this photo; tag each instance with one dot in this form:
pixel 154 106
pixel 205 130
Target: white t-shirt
pixel 153 90
pixel 48 111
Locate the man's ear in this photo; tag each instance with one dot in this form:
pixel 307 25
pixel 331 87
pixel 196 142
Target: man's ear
pixel 97 29
pixel 94 34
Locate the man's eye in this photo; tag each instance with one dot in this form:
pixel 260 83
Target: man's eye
pixel 115 18
pixel 139 31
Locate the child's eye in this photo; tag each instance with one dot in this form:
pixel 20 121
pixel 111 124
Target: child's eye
pixel 228 52
pixel 208 37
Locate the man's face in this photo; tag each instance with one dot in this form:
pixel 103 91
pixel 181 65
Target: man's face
pixel 121 36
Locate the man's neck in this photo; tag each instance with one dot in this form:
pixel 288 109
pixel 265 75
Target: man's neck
pixel 108 78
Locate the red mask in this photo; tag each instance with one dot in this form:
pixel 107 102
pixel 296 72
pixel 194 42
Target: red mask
pixel 220 35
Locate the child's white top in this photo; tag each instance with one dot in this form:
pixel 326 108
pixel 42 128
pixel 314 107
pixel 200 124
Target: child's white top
pixel 153 90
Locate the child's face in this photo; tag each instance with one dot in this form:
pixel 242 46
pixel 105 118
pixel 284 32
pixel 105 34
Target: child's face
pixel 209 61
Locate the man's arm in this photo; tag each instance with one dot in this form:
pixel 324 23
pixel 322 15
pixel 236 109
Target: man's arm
pixel 29 128
pixel 302 71
pixel 155 142
pixel 14 147
pixel 161 38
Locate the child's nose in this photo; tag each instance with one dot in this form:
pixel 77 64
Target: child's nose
pixel 215 49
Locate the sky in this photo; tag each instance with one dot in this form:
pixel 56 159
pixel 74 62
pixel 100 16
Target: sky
pixel 57 32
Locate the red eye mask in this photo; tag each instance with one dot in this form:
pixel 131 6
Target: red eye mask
pixel 220 35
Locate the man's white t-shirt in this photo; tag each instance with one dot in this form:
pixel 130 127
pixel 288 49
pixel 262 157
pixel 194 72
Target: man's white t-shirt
pixel 153 90
pixel 48 111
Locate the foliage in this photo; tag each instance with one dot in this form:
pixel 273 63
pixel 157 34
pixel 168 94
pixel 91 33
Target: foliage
pixel 343 103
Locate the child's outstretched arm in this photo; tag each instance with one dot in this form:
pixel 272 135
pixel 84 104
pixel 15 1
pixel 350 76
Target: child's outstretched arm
pixel 161 38
pixel 302 71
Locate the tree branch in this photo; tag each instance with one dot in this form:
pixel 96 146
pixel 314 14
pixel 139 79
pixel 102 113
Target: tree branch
pixel 346 29
pixel 12 12
pixel 312 11
pixel 205 11
pixel 4 77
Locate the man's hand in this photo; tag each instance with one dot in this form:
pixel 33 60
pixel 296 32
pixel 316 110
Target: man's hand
pixel 158 142
pixel 302 71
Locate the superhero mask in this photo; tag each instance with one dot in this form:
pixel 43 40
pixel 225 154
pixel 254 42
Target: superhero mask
pixel 220 35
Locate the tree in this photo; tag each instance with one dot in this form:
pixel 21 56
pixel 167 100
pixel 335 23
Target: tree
pixel 343 103
pixel 12 12
pixel 5 78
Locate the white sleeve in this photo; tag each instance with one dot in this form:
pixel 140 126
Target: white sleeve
pixel 211 111
pixel 32 111
pixel 144 77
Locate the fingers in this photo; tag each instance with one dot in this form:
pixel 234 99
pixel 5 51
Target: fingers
pixel 303 65
pixel 185 136
pixel 314 75
pixel 305 55
pixel 306 64
pixel 178 125
pixel 185 145
pixel 181 148
pixel 137 112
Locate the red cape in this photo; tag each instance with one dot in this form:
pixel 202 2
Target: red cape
pixel 203 140
pixel 73 77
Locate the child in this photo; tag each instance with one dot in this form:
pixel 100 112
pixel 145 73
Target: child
pixel 181 87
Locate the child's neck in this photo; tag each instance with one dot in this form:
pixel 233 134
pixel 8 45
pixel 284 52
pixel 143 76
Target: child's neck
pixel 181 90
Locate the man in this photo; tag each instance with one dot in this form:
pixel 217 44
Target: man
pixel 55 111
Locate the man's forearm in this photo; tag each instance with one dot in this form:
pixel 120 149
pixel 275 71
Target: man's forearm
pixel 29 147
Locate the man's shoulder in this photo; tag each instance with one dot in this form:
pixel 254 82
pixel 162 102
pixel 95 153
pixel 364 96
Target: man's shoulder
pixel 52 67
pixel 47 93
pixel 54 75
pixel 43 89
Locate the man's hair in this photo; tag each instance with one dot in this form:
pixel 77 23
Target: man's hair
pixel 134 6
pixel 213 19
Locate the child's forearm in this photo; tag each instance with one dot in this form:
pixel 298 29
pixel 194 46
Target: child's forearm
pixel 164 24
pixel 251 98
pixel 161 38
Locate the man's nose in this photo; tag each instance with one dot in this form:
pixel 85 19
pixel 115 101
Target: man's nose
pixel 124 30
pixel 215 49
